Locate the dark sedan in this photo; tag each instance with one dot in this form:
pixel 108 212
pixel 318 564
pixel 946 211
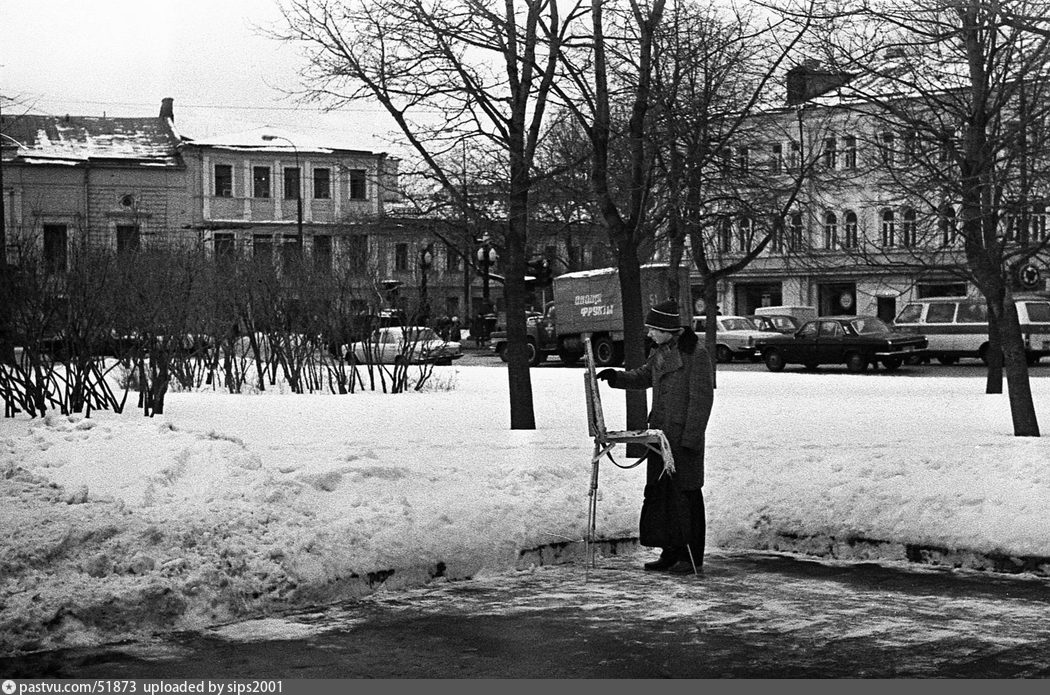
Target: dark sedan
pixel 855 341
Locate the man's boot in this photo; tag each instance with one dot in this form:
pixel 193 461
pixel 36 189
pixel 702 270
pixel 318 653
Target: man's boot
pixel 668 557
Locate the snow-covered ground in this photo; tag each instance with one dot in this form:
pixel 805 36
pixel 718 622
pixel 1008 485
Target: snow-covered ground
pixel 229 506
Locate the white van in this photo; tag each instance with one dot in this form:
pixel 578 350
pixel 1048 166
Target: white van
pixel 957 327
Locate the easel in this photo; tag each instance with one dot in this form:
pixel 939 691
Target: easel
pixel 605 440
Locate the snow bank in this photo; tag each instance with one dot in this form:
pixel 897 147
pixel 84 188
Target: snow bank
pixel 229 506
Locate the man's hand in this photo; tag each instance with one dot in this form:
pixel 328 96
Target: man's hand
pixel 606 375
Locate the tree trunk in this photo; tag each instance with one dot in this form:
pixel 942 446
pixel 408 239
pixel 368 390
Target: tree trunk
pixel 519 379
pixel 633 331
pixel 1022 408
pixel 711 326
pixel 993 355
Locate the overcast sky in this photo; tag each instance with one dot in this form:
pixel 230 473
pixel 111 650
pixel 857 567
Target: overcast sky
pixel 121 57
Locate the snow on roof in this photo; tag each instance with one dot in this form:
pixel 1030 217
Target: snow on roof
pixel 271 138
pixel 597 272
pixel 71 139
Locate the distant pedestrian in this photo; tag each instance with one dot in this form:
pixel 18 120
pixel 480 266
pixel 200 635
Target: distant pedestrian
pixel 679 372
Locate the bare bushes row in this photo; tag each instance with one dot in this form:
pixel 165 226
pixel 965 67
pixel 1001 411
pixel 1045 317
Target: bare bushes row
pixel 175 318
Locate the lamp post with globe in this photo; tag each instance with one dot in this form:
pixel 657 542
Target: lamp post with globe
pixel 487 257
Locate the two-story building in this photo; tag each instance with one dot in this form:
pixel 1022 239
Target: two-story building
pixel 264 193
pixel 109 182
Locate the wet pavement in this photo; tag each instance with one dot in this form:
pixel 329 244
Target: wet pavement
pixel 750 615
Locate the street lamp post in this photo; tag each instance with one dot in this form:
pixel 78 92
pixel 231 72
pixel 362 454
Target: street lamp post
pixel 486 257
pixel 298 186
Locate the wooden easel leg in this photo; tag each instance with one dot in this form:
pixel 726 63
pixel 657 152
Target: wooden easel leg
pixel 692 560
pixel 592 506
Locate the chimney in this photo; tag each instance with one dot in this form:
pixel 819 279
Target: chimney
pixel 167 108
pixel 809 80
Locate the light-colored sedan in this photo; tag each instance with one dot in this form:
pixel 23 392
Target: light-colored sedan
pixel 735 336
pixel 404 345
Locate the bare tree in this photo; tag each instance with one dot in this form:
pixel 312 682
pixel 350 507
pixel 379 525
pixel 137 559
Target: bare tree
pixel 958 92
pixel 609 71
pixel 449 72
pixel 714 73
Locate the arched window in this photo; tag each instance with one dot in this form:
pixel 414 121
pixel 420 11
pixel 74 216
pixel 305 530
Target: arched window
pixel 745 233
pixel 1039 214
pixel 777 242
pixel 831 230
pixel 946 222
pixel 908 230
pixel 725 235
pixel 849 230
pixel 889 228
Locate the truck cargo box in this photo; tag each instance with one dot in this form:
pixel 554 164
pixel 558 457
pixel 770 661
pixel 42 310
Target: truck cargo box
pixel 588 301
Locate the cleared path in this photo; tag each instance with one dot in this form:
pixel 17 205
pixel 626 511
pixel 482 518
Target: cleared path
pixel 751 615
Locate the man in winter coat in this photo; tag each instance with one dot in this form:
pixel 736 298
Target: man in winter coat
pixel 680 373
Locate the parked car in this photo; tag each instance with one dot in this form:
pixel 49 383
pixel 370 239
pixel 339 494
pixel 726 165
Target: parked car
pixel 776 323
pixel 800 312
pixel 735 337
pixel 404 345
pixel 958 326
pixel 855 341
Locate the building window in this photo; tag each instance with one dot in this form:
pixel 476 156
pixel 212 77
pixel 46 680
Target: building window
pixel 777 242
pixel 795 232
pixel 908 228
pixel 291 183
pixel 358 188
pixel 56 248
pixel 849 152
pixel 453 260
pixel 223 181
pixel 291 252
pixel 795 159
pixel 599 256
pixel 947 146
pixel 947 224
pixel 127 238
pixel 224 248
pixel 401 257
pixel 323 183
pixel 743 159
pixel 1038 222
pixel 725 235
pixel 323 253
pixel 357 251
pixel 911 147
pixel 262 249
pixel 776 158
pixel 886 145
pixel 745 232
pixel 831 230
pixel 889 229
pixel 261 182
pixel 831 155
pixel 849 230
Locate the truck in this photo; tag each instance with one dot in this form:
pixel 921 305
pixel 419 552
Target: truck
pixel 588 301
